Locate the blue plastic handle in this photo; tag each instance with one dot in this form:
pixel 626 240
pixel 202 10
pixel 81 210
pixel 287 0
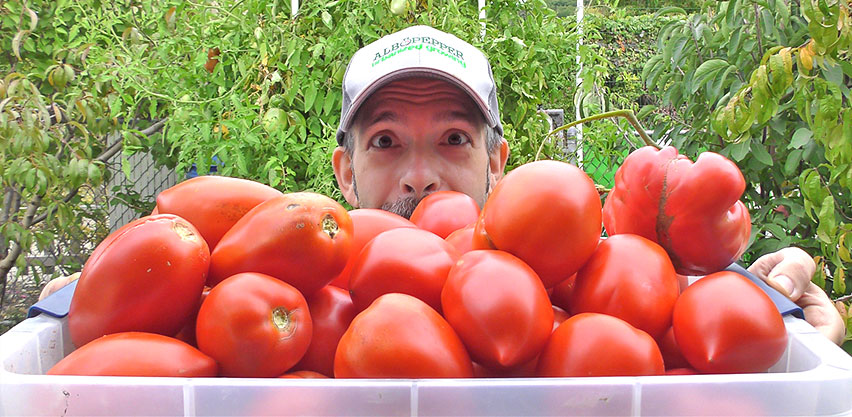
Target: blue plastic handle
pixel 782 303
pixel 56 304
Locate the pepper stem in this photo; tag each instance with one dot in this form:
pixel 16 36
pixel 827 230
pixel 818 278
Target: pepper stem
pixel 627 114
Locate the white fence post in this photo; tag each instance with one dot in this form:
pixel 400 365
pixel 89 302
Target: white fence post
pixel 579 138
pixel 482 18
pixel 294 7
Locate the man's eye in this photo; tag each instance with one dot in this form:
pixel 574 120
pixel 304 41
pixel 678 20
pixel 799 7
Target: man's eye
pixel 383 141
pixel 457 139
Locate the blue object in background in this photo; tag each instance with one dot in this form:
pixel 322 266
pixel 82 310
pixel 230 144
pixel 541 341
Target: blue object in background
pixel 782 303
pixel 56 304
pixel 214 168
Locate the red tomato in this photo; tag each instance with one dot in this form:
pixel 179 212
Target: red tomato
pixel 366 224
pixel 560 295
pixel 254 326
pixel 444 212
pixel 404 260
pixel 303 239
pixel 136 354
pixel 592 344
pixel 559 317
pixel 690 209
pixel 499 308
pixel 399 336
pixel 146 276
pixel 631 278
pixel 672 356
pixel 213 204
pixel 187 334
pixel 681 371
pixel 524 370
pixel 724 323
pixel 331 313
pixel 462 239
pixel 480 236
pixel 303 375
pixel 547 213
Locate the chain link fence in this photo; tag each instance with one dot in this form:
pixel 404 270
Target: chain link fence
pixel 118 201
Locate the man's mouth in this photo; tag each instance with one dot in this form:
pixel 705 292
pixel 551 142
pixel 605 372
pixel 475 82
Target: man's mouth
pixel 403 207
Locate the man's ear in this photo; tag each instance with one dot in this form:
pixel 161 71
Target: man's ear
pixel 497 160
pixel 342 164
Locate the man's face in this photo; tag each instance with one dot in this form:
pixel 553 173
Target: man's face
pixel 414 137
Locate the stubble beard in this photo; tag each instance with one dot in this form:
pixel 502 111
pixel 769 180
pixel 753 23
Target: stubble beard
pixel 405 206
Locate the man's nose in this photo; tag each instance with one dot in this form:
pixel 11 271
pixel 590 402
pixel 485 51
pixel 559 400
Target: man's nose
pixel 420 178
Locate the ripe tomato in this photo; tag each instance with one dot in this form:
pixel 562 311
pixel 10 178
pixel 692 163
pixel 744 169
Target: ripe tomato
pixel 366 224
pixel 547 213
pixel 681 371
pixel 331 312
pixel 498 306
pixel 559 317
pixel 254 326
pixel 724 323
pixel 404 260
pixel 399 336
pixel 187 334
pixel 136 354
pixel 593 344
pixel 690 209
pixel 560 295
pixel 672 356
pixel 146 276
pixel 303 375
pixel 631 278
pixel 303 239
pixel 462 239
pixel 213 204
pixel 444 212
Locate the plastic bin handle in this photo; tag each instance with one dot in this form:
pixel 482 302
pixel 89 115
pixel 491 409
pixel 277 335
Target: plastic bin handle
pixel 56 304
pixel 782 303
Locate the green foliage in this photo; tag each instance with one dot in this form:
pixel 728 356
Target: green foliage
pixel 269 109
pixel 768 85
pixel 244 84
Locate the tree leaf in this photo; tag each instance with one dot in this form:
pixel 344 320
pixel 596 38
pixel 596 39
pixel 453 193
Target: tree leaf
pixel 794 158
pixel 760 153
pixel 326 18
pixel 801 137
pixel 16 42
pixel 310 95
pixel 707 70
pixel 827 228
pixel 839 280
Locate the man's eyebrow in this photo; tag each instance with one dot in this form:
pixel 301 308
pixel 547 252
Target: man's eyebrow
pixel 386 115
pixel 451 115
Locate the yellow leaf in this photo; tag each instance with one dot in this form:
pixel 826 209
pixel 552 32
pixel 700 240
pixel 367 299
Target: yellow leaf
pixel 806 56
pixel 16 42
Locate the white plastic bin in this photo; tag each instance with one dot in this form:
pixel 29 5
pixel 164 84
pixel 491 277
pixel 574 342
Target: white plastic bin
pixel 814 377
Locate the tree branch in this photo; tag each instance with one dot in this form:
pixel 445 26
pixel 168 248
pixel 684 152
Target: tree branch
pixel 108 153
pixel 15 248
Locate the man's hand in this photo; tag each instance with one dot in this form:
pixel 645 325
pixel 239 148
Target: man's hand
pixel 789 271
pixel 55 284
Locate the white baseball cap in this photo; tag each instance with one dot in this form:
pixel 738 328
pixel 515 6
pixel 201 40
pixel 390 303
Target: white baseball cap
pixel 418 51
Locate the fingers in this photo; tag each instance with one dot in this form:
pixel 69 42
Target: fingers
pixel 822 314
pixel 788 270
pixel 55 284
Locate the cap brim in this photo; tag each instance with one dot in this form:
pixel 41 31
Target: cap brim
pixel 349 118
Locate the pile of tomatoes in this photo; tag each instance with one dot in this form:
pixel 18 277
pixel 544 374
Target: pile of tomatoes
pixel 233 278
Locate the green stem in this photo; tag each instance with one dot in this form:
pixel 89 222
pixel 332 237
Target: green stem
pixel 627 114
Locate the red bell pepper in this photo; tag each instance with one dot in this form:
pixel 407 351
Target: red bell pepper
pixel 690 209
